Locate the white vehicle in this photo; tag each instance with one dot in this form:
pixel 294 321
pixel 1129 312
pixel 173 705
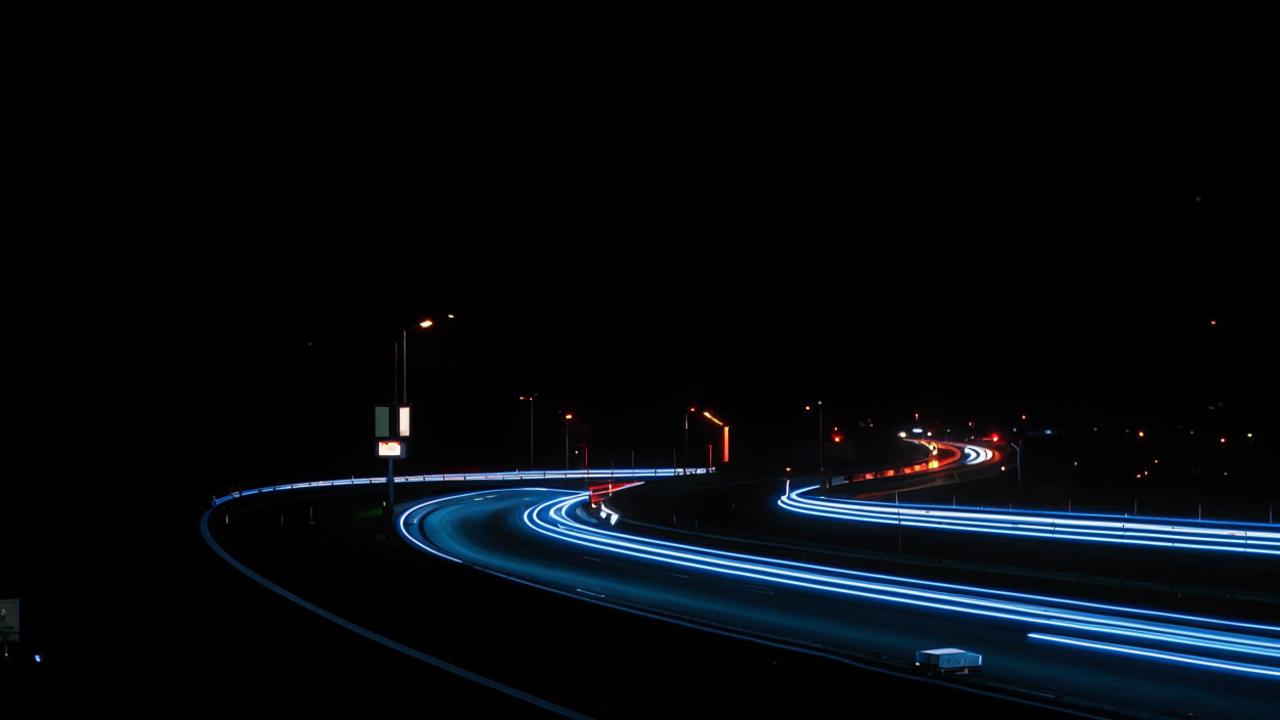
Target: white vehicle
pixel 949 660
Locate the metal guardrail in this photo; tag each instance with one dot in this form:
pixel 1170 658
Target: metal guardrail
pixel 507 475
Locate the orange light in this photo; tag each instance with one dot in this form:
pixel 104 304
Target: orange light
pixel 788 468
pixel 933 464
pixel 568 416
pixel 707 414
pixel 837 438
pixel 807 408
pixel 426 323
pixel 1142 433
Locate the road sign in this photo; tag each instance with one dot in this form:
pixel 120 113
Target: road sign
pixel 391 449
pixel 9 620
pixel 391 421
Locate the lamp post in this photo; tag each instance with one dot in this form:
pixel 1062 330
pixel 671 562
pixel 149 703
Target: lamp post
pixel 809 408
pixel 725 429
pixel 400 393
pixel 567 417
pixel 686 437
pixel 530 399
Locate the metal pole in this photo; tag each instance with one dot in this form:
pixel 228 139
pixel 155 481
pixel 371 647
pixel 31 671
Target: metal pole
pixel 404 351
pixel 566 444
pixel 391 487
pixel 531 433
pixel 821 467
pixel 686 441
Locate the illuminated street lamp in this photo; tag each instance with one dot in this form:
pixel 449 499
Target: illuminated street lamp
pixel 391 449
pixel 808 408
pixel 567 418
pixel 686 436
pixel 707 414
pixel 530 399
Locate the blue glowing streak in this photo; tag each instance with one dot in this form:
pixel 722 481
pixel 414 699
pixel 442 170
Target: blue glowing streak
pixel 1179 534
pixel 698 558
pixel 1256 670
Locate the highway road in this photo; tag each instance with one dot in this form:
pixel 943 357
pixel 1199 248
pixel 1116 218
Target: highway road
pixel 1058 651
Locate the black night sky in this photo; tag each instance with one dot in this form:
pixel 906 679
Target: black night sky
pixel 232 321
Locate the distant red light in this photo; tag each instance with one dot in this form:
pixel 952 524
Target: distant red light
pixel 995 437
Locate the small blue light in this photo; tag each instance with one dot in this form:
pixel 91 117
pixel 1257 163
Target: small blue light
pixel 38 658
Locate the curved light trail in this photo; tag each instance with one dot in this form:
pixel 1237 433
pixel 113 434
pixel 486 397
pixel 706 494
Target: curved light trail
pixel 1251 538
pixel 562 518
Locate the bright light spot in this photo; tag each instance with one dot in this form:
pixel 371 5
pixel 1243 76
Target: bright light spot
pixel 1142 433
pixel 568 416
pixel 38 658
pixel 788 468
pixel 917 430
pixel 1222 440
pixel 902 434
pixel 426 323
pixel 1002 468
pixel 451 316
pixel 1249 435
pixel 1213 323
pixel 995 437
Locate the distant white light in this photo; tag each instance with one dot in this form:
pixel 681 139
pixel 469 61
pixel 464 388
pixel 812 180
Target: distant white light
pixel 917 430
pixel 38 658
pixel 902 434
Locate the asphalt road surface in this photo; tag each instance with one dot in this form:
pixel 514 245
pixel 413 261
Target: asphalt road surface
pixel 518 534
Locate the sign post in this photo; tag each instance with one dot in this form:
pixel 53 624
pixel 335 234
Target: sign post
pixel 391 431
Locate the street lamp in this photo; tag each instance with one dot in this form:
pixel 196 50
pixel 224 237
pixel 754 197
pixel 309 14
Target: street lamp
pixel 707 414
pixel 808 408
pixel 567 417
pixel 1019 458
pixel 401 378
pixel 686 437
pixel 530 399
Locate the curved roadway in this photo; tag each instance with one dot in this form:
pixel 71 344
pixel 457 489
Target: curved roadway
pixel 1062 652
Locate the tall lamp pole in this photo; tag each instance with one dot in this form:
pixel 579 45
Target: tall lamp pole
pixel 686 437
pixel 530 399
pixel 809 408
pixel 567 418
